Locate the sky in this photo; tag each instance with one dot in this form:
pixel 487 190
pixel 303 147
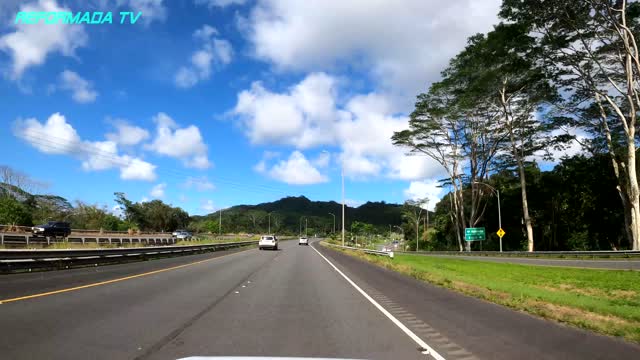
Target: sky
pixel 206 104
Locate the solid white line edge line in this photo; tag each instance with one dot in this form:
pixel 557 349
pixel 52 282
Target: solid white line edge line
pixel 399 324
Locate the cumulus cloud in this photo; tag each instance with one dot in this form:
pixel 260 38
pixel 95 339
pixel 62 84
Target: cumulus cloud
pixel 401 47
pixel 152 10
pixel 427 189
pixel 127 134
pixel 307 115
pixel 296 170
pixel 213 50
pixel 30 44
pixel 302 116
pixel 200 183
pixel 157 191
pixel 137 169
pixel 57 136
pixel 185 144
pixel 81 90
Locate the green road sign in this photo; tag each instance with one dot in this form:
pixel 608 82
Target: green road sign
pixel 474 234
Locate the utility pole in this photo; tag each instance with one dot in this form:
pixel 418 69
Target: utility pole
pixel 300 231
pixel 220 223
pixel 306 224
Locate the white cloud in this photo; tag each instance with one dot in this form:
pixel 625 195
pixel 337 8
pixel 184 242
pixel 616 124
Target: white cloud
pixel 322 161
pixel 208 206
pixel 30 44
pixel 186 144
pixel 307 115
pixel 296 170
pixel 102 155
pixel 151 9
pixel 571 149
pixel 127 135
pixel 57 136
pixel 81 90
pixel 401 46
pixel 201 183
pixel 424 189
pixel 137 169
pixel 157 191
pixel 117 210
pixel 213 51
pixel 220 3
pixel 301 117
pixel 183 198
pixel 353 203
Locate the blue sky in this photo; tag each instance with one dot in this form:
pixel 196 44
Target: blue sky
pixel 211 103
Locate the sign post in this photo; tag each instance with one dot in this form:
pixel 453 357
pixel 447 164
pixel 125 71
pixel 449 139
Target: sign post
pixel 500 233
pixel 474 234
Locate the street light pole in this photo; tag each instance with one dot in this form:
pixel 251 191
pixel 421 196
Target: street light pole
pixel 334 223
pixel 499 212
pixel 342 204
pixel 499 218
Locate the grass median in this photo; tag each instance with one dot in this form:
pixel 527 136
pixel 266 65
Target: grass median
pixel 604 301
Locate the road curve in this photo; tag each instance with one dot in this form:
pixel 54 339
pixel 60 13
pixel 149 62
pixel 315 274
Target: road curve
pixel 290 302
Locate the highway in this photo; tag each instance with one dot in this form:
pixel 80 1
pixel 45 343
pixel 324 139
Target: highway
pixel 291 302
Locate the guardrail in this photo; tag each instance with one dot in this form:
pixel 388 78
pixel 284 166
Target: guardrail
pixel 26 240
pixel 368 251
pixel 562 254
pixel 12 260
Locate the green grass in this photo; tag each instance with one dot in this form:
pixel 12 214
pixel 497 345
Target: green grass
pixel 605 301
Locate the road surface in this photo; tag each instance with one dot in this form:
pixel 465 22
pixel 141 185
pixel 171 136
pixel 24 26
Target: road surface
pixel 621 264
pixel 290 302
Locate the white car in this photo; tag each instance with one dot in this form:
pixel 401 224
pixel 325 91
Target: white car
pixel 183 235
pixel 268 242
pixel 303 241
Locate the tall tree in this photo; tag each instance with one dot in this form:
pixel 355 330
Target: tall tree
pixel 501 72
pixel 413 214
pixel 590 46
pixel 460 131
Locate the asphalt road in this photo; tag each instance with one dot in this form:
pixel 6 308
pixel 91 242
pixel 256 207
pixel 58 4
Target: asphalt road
pixel 290 302
pixel 622 264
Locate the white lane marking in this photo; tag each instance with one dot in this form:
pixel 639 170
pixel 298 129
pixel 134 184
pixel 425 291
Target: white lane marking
pixel 399 324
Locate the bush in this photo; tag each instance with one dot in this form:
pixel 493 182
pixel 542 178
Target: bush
pixel 12 212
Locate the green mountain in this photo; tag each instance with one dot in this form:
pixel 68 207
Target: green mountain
pixel 288 216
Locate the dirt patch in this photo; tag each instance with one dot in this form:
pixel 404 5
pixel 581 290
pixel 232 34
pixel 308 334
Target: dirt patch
pixel 624 294
pixel 573 315
pixel 613 294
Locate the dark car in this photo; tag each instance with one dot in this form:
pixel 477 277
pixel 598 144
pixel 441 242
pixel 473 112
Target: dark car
pixel 52 228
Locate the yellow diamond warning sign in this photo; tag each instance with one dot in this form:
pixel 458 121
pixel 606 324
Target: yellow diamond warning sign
pixel 500 233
